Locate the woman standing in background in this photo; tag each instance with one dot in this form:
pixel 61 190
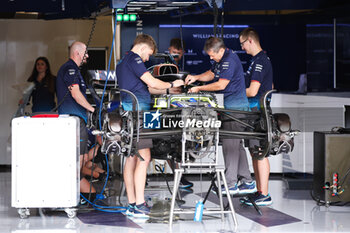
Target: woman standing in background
pixel 43 95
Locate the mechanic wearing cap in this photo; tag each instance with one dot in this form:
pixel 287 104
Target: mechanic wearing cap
pixel 226 77
pixel 133 76
pixel 259 79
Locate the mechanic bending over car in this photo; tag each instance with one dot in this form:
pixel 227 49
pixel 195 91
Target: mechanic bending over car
pixel 226 77
pixel 133 76
pixel 259 79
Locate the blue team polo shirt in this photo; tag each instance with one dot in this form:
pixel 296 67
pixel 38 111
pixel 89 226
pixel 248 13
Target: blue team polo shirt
pixel 230 67
pixel 68 75
pixel 129 70
pixel 260 70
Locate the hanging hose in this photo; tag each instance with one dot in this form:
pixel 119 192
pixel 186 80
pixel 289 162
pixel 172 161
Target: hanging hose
pixel 182 45
pixel 108 70
pixel 215 12
pixel 222 19
pixel 100 195
pixel 82 62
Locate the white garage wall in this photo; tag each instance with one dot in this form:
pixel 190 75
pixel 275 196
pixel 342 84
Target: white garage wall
pixel 308 113
pixel 22 41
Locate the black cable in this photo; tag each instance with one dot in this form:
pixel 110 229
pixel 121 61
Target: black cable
pixel 182 45
pixel 92 170
pixel 121 183
pixel 64 97
pixel 320 202
pixel 136 101
pixel 344 178
pixel 337 203
pixel 97 120
pixel 90 35
pixel 222 20
pixel 81 64
pixel 215 12
pixel 157 167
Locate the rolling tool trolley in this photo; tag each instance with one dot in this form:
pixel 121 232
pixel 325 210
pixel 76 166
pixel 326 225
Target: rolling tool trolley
pixel 45 163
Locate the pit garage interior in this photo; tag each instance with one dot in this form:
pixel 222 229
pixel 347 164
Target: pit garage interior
pixel 308 43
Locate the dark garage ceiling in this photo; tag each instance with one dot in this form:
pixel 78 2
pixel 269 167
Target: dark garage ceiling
pixel 58 9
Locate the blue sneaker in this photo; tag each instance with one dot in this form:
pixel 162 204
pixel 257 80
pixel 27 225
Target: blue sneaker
pixel 142 210
pixel 260 200
pixel 214 189
pixel 130 210
pixel 232 190
pixel 185 184
pixel 247 188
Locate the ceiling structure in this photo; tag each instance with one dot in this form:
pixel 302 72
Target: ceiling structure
pixel 59 9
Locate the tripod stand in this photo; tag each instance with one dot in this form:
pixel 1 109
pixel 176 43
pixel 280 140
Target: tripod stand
pixel 219 171
pixel 218 190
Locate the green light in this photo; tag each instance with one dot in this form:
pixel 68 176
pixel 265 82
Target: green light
pixel 133 17
pixel 126 17
pixel 120 9
pixel 119 17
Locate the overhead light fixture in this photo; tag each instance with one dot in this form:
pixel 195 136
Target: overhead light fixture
pixel 119 17
pixel 142 3
pixel 200 26
pixel 166 8
pixel 133 17
pixel 134 8
pixel 183 3
pixel 140 6
pixel 126 17
pixel 26 15
pixel 155 10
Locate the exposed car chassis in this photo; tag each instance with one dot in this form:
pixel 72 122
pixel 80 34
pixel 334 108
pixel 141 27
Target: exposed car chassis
pixel 121 129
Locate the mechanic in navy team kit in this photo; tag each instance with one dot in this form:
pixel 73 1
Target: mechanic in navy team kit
pixel 259 79
pixel 176 47
pixel 71 97
pixel 133 76
pixel 226 77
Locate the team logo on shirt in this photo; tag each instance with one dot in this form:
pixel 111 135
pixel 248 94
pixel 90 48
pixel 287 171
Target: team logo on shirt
pixel 258 68
pixel 71 71
pixel 138 60
pixel 151 120
pixel 225 65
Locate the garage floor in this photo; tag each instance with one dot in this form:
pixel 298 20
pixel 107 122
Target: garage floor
pixel 292 211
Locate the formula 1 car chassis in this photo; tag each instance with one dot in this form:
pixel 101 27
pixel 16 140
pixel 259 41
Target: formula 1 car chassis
pixel 197 128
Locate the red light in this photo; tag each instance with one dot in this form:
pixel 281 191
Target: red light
pixel 335 179
pixel 335 174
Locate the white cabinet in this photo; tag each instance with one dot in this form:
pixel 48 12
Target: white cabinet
pixel 45 162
